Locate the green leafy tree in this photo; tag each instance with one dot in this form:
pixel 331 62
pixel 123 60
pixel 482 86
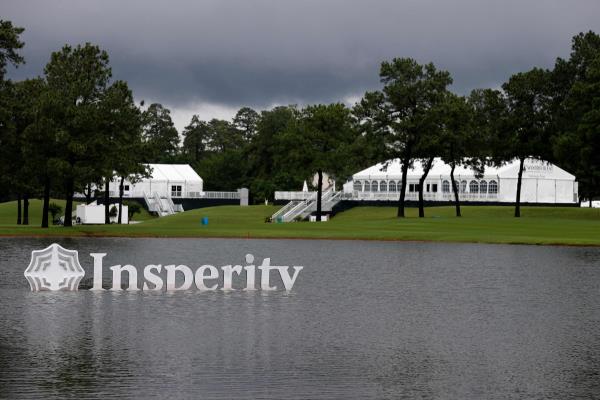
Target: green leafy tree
pixel 224 136
pixel 576 104
pixel 77 78
pixel 326 134
pixel 223 170
pixel 21 174
pixel 269 163
pixel 10 44
pixel 121 127
pixel 465 131
pixel 400 113
pixel 455 138
pixel 246 120
pixel 113 212
pixel 429 145
pixel 160 136
pixel 55 210
pixel 579 147
pixel 196 136
pixel 527 130
pixel 223 152
pixel 42 147
pixel 133 208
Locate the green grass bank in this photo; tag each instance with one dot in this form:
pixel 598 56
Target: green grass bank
pixel 485 224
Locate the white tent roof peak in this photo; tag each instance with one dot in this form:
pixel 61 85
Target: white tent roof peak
pixel 173 172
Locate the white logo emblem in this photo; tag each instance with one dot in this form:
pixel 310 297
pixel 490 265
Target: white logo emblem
pixel 54 268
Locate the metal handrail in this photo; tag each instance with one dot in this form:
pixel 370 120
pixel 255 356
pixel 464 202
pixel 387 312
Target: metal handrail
pixel 311 204
pixel 161 206
pixel 283 209
pixel 220 195
pixel 293 195
pixel 302 205
pixel 292 213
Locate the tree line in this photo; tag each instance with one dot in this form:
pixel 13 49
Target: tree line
pixel 75 129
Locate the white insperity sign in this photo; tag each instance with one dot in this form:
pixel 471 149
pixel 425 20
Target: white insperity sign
pixel 56 268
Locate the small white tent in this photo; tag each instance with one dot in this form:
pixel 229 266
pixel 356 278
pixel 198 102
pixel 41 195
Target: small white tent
pixel 93 213
pixel 167 180
pixel 542 182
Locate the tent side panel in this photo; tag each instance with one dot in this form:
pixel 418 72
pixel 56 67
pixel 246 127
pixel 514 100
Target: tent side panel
pixel 507 191
pixel 546 191
pixel 528 191
pixel 565 191
pixel 140 188
pixel 193 189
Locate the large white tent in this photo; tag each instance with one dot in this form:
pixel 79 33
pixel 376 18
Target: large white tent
pixel 166 180
pixel 542 182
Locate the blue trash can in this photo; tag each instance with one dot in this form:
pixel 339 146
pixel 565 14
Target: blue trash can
pixel 204 221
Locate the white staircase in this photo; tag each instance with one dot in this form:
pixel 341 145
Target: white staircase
pixel 163 206
pixel 297 209
pixel 278 216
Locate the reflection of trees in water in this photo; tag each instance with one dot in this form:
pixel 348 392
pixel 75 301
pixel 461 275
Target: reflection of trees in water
pixel 80 366
pixel 584 376
pixel 68 347
pixel 9 363
pixel 409 372
pixel 578 361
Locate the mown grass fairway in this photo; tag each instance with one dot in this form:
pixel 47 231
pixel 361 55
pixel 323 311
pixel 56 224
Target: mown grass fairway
pixel 492 224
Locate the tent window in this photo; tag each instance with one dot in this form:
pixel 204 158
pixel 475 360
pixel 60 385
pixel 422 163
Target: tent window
pixel 446 187
pixel 126 188
pixel 434 187
pixel 483 187
pixel 463 186
pixel 392 186
pixel 383 186
pixel 357 186
pixel 413 187
pixel 493 187
pixel 176 191
pixel 473 187
pixel 374 186
pixel 367 186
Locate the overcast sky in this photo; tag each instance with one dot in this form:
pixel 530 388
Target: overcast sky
pixel 213 57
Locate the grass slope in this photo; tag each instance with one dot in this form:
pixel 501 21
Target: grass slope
pixel 8 213
pixel 490 224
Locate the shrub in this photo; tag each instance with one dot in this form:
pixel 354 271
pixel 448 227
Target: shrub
pixel 55 210
pixel 132 208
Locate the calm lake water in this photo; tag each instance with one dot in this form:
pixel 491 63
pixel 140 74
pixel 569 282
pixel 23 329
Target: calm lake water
pixel 366 320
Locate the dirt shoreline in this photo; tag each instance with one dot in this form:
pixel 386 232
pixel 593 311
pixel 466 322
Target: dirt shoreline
pixel 150 236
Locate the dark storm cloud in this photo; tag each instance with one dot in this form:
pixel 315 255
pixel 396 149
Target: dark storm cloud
pixel 232 52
